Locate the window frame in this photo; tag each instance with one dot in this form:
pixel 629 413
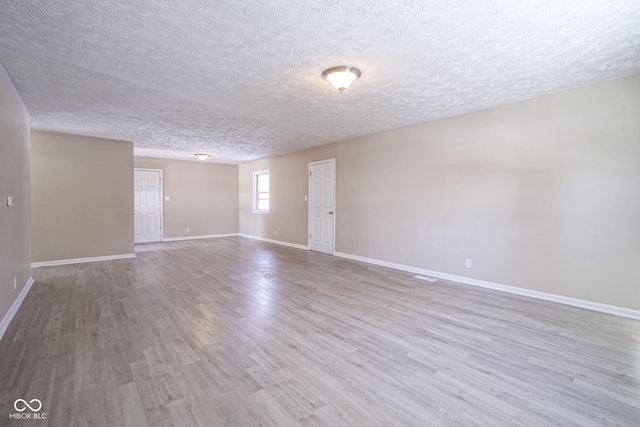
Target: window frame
pixel 256 175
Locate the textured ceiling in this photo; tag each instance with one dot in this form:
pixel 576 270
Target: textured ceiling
pixel 240 79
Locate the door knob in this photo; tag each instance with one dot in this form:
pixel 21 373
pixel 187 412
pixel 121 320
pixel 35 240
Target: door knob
pixel 330 213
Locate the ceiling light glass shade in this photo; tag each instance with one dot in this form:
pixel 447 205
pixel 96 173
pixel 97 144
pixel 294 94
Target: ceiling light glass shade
pixel 202 156
pixel 341 77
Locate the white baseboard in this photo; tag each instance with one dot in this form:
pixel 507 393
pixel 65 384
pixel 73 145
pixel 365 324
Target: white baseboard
pixel 596 306
pixel 277 242
pixel 80 260
pixel 209 236
pixel 14 307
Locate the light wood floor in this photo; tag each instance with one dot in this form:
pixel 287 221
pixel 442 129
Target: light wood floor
pixel 236 332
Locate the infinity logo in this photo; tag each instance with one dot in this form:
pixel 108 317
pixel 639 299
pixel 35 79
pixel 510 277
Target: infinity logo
pixel 26 405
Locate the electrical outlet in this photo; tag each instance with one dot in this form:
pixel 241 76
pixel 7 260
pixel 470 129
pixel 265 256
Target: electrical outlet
pixel 467 263
pixel 15 282
pixel 275 232
pixel 188 229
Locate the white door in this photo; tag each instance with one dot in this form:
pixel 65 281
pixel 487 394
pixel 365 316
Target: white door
pixel 146 206
pixel 321 205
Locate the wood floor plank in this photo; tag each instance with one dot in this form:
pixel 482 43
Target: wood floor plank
pixel 133 412
pixel 234 332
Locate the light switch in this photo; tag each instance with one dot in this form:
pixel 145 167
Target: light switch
pixel 10 201
pixel 167 198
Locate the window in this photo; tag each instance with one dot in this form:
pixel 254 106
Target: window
pixel 261 191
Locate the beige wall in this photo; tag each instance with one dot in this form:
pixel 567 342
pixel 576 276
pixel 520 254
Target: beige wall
pixel 15 252
pixel 288 186
pixel 82 197
pixel 204 196
pixel 543 195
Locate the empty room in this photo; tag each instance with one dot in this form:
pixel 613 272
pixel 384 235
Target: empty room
pixel 319 213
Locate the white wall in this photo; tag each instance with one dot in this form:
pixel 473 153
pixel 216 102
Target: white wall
pixel 15 239
pixel 204 196
pixel 82 189
pixel 542 194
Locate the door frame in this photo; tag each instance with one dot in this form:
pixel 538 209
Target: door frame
pixel 161 200
pixel 333 239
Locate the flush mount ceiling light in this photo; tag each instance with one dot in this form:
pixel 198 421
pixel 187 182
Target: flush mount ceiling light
pixel 202 156
pixel 341 77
